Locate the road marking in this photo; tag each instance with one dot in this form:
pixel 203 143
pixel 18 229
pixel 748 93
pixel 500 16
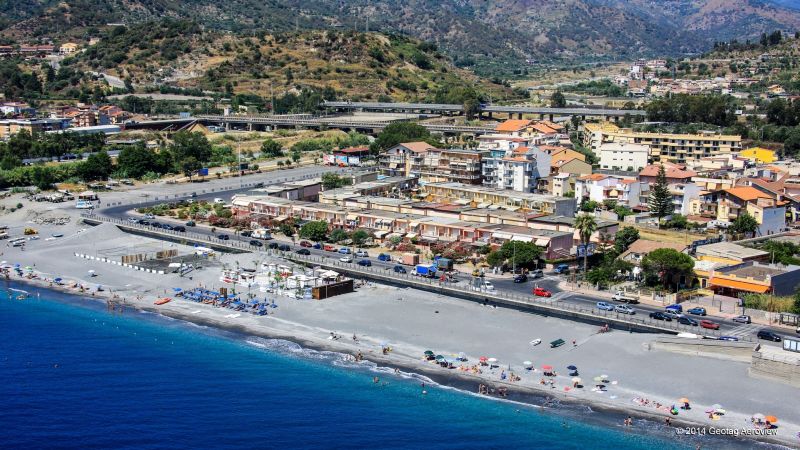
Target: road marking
pixel 743 330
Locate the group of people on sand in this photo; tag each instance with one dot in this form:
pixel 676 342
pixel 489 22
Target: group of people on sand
pixel 653 404
pixel 486 390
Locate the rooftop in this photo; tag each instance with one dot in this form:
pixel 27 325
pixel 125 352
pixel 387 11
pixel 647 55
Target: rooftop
pixel 756 271
pixel 730 250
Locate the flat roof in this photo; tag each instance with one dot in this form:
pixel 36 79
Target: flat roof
pixel 730 250
pixel 495 191
pixel 757 271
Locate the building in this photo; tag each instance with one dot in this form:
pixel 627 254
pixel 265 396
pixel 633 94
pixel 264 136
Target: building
pixel 770 214
pixel 438 165
pixel 641 248
pixel 68 48
pixel 517 168
pixel 488 197
pixel 344 157
pixel 303 190
pixel 600 188
pixel 729 253
pixel 605 232
pixel 623 156
pixel 17 109
pixel 397 161
pixel 755 277
pixel 515 128
pixel 10 127
pixel 759 155
pixel 674 173
pixel 664 146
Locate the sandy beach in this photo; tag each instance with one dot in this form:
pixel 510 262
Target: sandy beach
pixel 411 322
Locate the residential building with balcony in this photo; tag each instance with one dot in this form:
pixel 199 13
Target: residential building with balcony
pixel 594 134
pixel 623 156
pixel 599 188
pixel 665 146
pixel 518 169
pixel 438 165
pixel 491 197
pixel 726 205
pixel 398 160
pixel 754 277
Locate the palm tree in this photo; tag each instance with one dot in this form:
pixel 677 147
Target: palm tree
pixel 586 225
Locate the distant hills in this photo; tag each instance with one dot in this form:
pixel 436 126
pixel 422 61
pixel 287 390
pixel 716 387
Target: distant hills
pixel 477 33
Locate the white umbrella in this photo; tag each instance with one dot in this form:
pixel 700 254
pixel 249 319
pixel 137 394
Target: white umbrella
pixel 576 379
pixel 716 406
pixel 527 363
pixel 759 416
pixel 604 376
pixel 492 360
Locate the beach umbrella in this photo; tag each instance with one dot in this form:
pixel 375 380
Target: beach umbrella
pixel 683 400
pixel 462 355
pixel 572 367
pixel 483 359
pixel 598 379
pixel 771 419
pixel 527 363
pixel 716 406
pixel 17 265
pixel 576 379
pixel 604 376
pixel 428 353
pixel 759 416
pixel 439 357
pixel 58 280
pixel 492 360
pixel 547 367
pixel 177 289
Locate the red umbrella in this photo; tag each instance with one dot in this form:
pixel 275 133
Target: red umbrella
pixel 483 359
pixel 546 367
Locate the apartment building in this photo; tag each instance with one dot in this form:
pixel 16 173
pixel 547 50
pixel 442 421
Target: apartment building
pixel 600 188
pixel 488 197
pixel 397 161
pixel 516 168
pixel 438 165
pixel 10 127
pixel 726 205
pixel 594 134
pixel 623 156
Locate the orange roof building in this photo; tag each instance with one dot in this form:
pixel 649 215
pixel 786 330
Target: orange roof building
pixel 513 126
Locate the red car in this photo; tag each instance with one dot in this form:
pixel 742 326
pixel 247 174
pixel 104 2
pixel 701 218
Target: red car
pixel 709 324
pixel 541 292
pixel 330 248
pixel 305 244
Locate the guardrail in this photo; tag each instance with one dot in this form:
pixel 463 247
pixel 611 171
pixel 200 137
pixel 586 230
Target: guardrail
pixel 557 308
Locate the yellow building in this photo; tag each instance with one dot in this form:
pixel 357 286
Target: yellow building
pixel 759 155
pixel 68 48
pixel 593 133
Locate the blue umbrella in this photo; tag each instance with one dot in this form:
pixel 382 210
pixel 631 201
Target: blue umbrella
pixel 57 280
pixel 177 289
pixel 572 368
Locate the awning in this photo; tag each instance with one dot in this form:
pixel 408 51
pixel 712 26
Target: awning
pixel 512 208
pixel 352 217
pixel 494 206
pixel 484 205
pixel 380 234
pixel 521 238
pixel 280 218
pixel 411 235
pixel 393 165
pixel 462 201
pixel 394 235
pixel 542 242
pixel 414 224
pixel 739 285
pixel 499 235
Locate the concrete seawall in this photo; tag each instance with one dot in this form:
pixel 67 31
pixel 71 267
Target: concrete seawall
pixel 709 348
pixel 784 369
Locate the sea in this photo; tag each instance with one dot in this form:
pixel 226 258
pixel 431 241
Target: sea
pixel 75 375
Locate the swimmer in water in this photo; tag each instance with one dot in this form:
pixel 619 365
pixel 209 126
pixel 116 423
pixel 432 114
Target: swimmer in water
pixel 376 380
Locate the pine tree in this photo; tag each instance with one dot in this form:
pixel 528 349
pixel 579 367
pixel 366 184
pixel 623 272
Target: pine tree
pixel 660 201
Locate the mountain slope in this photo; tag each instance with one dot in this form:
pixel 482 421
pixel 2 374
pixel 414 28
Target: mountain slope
pixel 472 30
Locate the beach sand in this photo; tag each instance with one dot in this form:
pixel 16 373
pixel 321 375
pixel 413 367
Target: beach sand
pixel 412 321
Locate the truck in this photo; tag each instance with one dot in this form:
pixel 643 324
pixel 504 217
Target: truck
pixel 620 296
pixel 410 259
pixel 444 263
pixel 425 270
pixel 261 233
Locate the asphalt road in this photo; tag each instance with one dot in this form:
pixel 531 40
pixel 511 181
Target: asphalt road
pixel 550 281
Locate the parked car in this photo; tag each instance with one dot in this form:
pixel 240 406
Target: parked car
pixel 256 243
pixel 305 244
pixel 521 278
pixel 658 315
pixel 676 307
pixel 303 251
pixel 673 314
pixel 273 245
pixel 317 246
pixel 362 253
pixel 190 223
pixel 133 220
pixel 284 247
pixel 488 285
pixel 542 292
pixel 768 335
pixel 709 324
pixel 385 257
pixel 729 338
pixel 742 319
pixel 345 251
pixel 179 228
pixel 624 309
pixel 687 321
pixel 166 226
pixel 536 273
pixel 144 222
pixel 346 259
pixel 246 233
pixel 561 268
pixel 330 248
pixel 698 311
pixel 365 263
pixel 223 237
pixel 605 306
pixel 149 216
pixel 399 269
pixel 155 224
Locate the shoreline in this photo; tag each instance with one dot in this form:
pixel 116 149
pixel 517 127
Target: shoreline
pixel 532 396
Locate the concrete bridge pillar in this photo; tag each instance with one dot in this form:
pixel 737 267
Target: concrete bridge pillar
pixel 551 117
pixel 519 116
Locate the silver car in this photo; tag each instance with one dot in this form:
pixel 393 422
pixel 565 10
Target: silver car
pixel 624 309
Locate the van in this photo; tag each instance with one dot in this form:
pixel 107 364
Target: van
pixel 219 201
pixel 562 268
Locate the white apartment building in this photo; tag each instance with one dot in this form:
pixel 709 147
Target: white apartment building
pixel 599 187
pixel 515 168
pixel 623 156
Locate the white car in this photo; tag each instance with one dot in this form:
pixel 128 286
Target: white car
pixel 488 285
pixel 624 309
pixel 346 259
pixel 672 314
pixel 362 254
pixel 219 201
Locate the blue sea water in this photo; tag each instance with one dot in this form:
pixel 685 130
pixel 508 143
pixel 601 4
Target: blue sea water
pixel 73 375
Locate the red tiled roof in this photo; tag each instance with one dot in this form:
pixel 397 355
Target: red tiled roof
pixel 671 171
pixel 746 193
pixel 513 125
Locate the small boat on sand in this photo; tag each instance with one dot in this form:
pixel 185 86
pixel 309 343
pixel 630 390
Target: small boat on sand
pixel 536 342
pixel 162 301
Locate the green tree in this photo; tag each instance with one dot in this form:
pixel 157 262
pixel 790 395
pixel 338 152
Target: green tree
pixel 295 156
pixel 586 226
pixel 315 230
pixel 745 224
pixel 331 180
pixel 135 161
pixel 338 235
pixel 557 100
pixel 271 148
pixel 589 206
pixel 287 229
pixel 195 145
pixel 667 266
pixel 515 254
pixel 96 167
pixel 398 132
pixel 624 238
pixel 796 305
pixel 359 237
pixel 190 165
pixel 660 198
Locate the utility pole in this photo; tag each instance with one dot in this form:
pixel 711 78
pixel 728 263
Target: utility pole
pixel 272 95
